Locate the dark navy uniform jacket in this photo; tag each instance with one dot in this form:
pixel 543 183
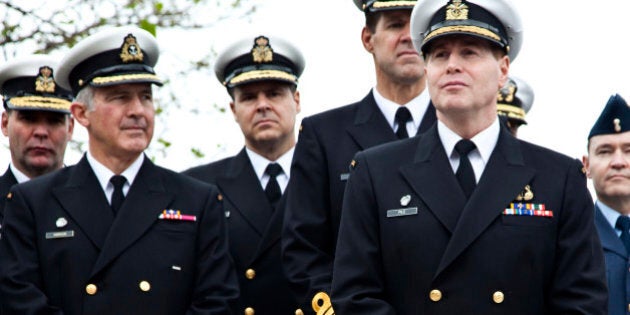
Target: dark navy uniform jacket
pixel 64 252
pixel 6 182
pixel 410 243
pixel 254 235
pixel 326 144
pixel 617 266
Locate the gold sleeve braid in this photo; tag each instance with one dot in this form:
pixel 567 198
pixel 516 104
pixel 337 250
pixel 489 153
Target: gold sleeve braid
pixel 322 305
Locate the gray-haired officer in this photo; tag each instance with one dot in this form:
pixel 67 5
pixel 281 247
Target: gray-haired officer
pixel 514 101
pixel 608 166
pixel 397 107
pixel 261 75
pixel 466 218
pixel 115 234
pixel 36 119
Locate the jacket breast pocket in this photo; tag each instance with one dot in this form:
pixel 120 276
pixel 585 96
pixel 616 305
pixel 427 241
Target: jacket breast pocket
pixel 175 226
pixel 526 221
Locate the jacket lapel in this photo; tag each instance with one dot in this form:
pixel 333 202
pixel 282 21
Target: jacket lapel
pixel 6 182
pixel 8 179
pixel 144 202
pixel 428 119
pixel 274 227
pixel 242 186
pixel 370 127
pixel 610 240
pixel 487 202
pixel 432 178
pixel 84 200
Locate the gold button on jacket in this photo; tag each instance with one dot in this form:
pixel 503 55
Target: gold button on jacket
pixel 435 295
pixel 299 312
pixel 145 286
pixel 250 274
pixel 498 297
pixel 91 289
pixel 249 311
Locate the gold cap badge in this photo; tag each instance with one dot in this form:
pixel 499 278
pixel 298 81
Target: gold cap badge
pixel 457 11
pixel 617 123
pixel 507 93
pixel 44 82
pixel 130 50
pixel 262 52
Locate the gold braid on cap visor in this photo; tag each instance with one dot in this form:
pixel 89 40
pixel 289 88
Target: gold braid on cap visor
pixel 392 4
pixel 262 74
pixel 125 77
pixel 40 102
pixel 463 28
pixel 511 111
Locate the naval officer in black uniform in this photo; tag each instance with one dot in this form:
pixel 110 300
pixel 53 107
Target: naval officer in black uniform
pixel 397 107
pixel 115 233
pixel 36 119
pixel 261 75
pixel 467 219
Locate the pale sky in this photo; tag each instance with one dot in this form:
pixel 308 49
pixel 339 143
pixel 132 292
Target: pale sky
pixel 572 56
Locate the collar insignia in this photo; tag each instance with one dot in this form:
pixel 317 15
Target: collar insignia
pixel 130 50
pixel 44 82
pixel 262 52
pixel 457 11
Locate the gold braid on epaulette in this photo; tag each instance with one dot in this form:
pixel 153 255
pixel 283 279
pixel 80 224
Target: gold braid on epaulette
pixel 322 305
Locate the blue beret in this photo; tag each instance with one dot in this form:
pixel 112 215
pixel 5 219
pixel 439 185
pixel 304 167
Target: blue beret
pixel 615 118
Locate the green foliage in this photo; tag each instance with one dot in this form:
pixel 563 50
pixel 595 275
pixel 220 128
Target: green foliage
pixel 52 27
pixel 197 153
pixel 164 142
pixel 148 26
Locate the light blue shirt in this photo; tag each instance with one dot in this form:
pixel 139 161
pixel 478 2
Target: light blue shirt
pixel 610 214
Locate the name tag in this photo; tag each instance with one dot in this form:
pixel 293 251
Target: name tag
pixel 344 176
pixel 402 212
pixel 59 234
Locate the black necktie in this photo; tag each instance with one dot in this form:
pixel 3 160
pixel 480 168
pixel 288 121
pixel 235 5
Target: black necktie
pixel 465 174
pixel 273 189
pixel 117 197
pixel 402 117
pixel 623 224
